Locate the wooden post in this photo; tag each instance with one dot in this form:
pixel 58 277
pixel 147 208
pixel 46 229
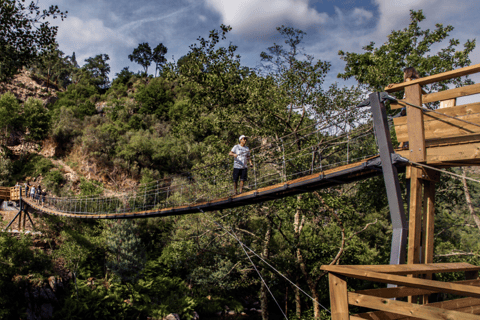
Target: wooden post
pixel 338 297
pixel 416 132
pixel 20 221
pixel 428 227
pixel 415 219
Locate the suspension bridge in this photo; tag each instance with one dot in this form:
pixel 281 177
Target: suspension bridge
pixel 341 148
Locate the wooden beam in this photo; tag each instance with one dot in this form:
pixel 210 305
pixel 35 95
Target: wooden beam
pixel 400 292
pixel 456 111
pixel 430 220
pixel 338 297
pixel 438 155
pixel 452 93
pixel 404 269
pixel 446 287
pixel 416 134
pixel 415 216
pixel 467 305
pixel 407 309
pixel 448 103
pixel 436 78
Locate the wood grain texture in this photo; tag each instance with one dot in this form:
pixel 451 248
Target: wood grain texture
pixel 400 292
pixel 407 309
pixel 446 287
pixel 404 269
pixel 338 297
pixel 451 94
pixel 416 132
pixel 435 78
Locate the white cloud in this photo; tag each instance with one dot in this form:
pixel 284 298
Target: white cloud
pixel 261 17
pixel 90 36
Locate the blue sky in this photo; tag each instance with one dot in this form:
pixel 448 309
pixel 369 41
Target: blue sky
pixel 117 27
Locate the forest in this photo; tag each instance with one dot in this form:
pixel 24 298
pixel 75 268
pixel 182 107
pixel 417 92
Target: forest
pixel 139 128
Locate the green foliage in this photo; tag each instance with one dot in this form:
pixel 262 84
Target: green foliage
pixel 127 255
pixel 36 119
pixel 9 113
pixel 379 66
pixel 142 55
pixel 155 98
pixel 20 267
pixel 53 180
pixel 65 126
pixel 90 188
pixel 23 35
pixel 5 169
pixel 99 69
pixel 42 165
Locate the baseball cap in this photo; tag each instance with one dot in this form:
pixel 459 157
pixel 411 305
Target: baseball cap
pixel 241 137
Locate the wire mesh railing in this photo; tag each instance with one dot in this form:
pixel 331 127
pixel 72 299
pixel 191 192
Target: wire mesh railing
pixel 275 161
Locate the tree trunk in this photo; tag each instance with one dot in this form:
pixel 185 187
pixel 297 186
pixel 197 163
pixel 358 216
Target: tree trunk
pixel 469 199
pixel 298 301
pixel 312 284
pixel 297 229
pixel 266 255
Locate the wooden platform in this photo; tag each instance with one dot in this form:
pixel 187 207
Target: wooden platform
pixel 401 275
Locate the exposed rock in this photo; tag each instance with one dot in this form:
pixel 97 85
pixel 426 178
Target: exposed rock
pixel 172 316
pixel 195 316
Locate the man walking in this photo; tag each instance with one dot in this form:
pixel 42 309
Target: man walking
pixel 241 153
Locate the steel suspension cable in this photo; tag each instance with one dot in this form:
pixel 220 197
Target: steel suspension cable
pixel 264 261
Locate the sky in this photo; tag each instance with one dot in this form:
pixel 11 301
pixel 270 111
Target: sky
pixel 117 27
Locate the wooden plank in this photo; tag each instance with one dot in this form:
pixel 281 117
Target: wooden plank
pixel 456 111
pixel 407 309
pixel 400 292
pixel 415 216
pixel 446 287
pixel 441 154
pixel 442 127
pixel 448 103
pixel 436 78
pixel 338 297
pixel 430 220
pixel 451 93
pixel 394 105
pixel 404 269
pixel 467 305
pixel 416 135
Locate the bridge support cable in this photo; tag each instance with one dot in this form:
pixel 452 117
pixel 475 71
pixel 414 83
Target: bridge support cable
pixel 244 246
pixel 253 264
pixel 392 184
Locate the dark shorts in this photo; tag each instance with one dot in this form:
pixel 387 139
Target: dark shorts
pixel 242 173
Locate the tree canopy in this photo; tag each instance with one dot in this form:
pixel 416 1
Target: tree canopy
pixel 24 34
pixel 410 47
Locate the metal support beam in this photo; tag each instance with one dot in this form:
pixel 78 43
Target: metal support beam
pixel 390 176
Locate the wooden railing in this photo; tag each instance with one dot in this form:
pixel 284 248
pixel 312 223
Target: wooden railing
pixel 436 138
pixel 401 275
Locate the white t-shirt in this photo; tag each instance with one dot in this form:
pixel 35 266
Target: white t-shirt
pixel 243 155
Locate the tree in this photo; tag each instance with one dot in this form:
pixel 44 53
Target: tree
pixel 22 35
pixel 410 47
pixel 142 55
pixel 99 69
pixel 36 118
pixel 158 56
pixel 53 66
pixel 9 115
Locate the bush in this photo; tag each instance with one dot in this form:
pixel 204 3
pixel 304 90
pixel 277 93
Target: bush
pixel 53 180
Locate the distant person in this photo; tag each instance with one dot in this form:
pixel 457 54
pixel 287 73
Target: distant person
pixel 241 154
pixel 38 194
pixel 26 189
pixel 32 192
